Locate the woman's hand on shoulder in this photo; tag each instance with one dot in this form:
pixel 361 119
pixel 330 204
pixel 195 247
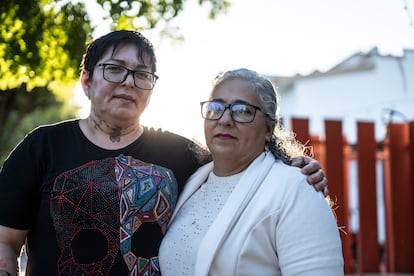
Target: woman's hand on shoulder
pixel 313 170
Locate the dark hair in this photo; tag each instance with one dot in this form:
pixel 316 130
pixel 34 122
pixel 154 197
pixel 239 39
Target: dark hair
pixel 97 48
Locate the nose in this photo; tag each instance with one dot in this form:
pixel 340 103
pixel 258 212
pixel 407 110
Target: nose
pixel 129 79
pixel 226 118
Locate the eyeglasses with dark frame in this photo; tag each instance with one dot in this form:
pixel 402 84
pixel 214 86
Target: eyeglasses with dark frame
pixel 117 74
pixel 239 112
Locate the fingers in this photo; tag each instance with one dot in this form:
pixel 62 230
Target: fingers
pixel 321 185
pixel 297 162
pixel 312 168
pixel 316 177
pixel 302 161
pixel 326 191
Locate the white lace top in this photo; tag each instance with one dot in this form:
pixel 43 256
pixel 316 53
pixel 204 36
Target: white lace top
pixel 180 245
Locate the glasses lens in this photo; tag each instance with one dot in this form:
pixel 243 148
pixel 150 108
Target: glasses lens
pixel 117 74
pixel 212 110
pixel 144 80
pixel 243 113
pixel 114 73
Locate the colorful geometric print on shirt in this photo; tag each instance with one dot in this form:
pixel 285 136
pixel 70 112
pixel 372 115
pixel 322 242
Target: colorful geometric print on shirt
pixel 97 209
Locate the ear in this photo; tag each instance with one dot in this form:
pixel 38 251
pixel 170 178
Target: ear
pixel 269 133
pixel 85 82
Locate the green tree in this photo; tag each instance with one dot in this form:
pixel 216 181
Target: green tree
pixel 39 60
pixel 41 46
pixel 149 13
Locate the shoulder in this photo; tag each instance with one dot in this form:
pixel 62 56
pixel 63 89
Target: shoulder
pixel 286 172
pixel 289 181
pixel 167 142
pixel 45 133
pixel 55 127
pixel 168 150
pixel 164 135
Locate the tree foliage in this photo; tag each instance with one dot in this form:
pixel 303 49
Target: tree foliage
pixel 149 13
pixel 41 46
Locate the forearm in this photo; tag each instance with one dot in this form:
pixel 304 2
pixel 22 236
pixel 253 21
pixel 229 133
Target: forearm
pixel 8 260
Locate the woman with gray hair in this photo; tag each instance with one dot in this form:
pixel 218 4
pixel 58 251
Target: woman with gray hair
pixel 248 212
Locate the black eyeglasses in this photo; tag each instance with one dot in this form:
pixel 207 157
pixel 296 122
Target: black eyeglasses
pixel 117 74
pixel 239 112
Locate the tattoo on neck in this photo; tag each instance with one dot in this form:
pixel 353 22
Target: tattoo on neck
pixel 114 136
pixel 96 124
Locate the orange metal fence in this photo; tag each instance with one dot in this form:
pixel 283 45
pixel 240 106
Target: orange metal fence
pixel 362 251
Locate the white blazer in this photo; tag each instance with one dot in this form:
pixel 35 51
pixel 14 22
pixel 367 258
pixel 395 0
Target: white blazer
pixel 274 223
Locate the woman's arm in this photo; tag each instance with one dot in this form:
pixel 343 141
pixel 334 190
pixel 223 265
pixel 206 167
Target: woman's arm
pixel 308 241
pixel 11 242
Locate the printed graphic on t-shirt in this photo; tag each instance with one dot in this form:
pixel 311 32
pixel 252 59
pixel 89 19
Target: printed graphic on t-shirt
pixel 98 207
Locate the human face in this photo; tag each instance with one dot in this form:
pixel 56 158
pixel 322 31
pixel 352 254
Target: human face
pixel 119 104
pixel 239 143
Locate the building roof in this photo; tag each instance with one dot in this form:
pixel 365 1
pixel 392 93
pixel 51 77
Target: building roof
pixel 355 63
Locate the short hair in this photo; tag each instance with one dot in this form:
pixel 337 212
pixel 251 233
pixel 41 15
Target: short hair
pixel 97 48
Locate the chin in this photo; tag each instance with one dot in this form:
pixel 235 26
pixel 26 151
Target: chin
pixel 126 113
pixel 223 153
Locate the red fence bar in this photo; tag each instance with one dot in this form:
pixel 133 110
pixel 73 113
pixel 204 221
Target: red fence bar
pixel 301 128
pixel 368 253
pixel 397 155
pixel 337 172
pixel 398 201
pixel 411 169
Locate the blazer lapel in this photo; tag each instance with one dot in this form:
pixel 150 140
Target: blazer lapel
pixel 192 185
pixel 234 206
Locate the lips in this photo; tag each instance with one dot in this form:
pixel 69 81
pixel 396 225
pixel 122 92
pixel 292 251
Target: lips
pixel 224 136
pixel 124 97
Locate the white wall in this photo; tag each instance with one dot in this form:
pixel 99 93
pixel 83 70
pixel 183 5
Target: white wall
pixel 355 96
pixel 352 97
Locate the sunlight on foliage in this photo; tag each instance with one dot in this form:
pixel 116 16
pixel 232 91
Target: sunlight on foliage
pixel 41 47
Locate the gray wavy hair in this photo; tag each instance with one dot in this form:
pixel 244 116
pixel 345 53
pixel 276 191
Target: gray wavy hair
pixel 283 144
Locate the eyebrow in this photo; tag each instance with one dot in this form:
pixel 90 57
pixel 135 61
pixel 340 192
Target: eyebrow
pixel 123 63
pixel 235 102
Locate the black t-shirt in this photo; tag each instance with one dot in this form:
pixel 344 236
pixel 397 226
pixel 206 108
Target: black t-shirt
pixel 92 211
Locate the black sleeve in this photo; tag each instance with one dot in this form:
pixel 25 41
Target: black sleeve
pixel 20 180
